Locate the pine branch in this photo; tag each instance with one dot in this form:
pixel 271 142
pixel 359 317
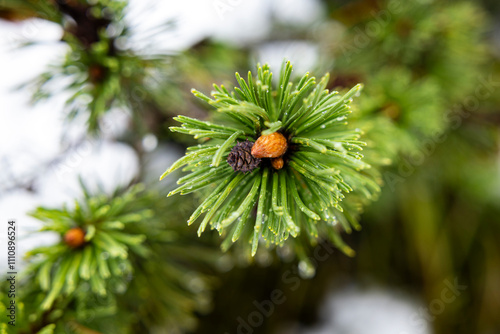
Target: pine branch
pixel 310 160
pixel 108 265
pixel 99 72
pixel 92 228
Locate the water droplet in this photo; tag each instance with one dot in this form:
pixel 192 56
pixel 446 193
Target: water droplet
pixel 85 287
pixel 149 142
pixel 224 263
pixel 195 284
pixel 264 258
pixel 285 252
pixel 306 269
pixel 333 222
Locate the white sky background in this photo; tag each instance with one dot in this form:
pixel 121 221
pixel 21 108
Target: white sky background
pixel 30 136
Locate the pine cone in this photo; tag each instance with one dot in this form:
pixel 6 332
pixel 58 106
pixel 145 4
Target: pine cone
pixel 241 159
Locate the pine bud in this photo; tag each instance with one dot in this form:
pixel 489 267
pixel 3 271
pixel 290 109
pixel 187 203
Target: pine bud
pixel 270 146
pixel 97 73
pixel 74 237
pixel 241 159
pixel 277 163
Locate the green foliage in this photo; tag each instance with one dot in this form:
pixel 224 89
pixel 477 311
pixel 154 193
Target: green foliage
pixel 438 38
pixel 101 265
pixel 322 164
pixel 434 223
pixel 399 112
pixel 418 60
pixel 151 270
pixel 99 81
pixel 32 8
pixel 100 71
pixel 22 322
pixel 174 281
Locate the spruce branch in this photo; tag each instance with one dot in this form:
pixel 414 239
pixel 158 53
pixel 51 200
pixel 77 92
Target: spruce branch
pixel 304 189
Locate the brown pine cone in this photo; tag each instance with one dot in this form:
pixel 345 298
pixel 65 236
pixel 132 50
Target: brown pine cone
pixel 241 159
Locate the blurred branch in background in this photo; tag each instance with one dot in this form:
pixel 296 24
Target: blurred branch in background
pixel 112 273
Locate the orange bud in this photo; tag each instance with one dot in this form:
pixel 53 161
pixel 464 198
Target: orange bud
pixel 277 163
pixel 74 237
pixel 270 146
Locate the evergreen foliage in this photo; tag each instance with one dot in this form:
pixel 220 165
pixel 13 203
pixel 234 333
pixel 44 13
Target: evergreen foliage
pixel 127 263
pixel 124 277
pixel 417 59
pixel 322 164
pixel 101 70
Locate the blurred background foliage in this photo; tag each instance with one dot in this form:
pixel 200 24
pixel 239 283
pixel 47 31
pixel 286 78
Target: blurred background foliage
pixel 430 114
